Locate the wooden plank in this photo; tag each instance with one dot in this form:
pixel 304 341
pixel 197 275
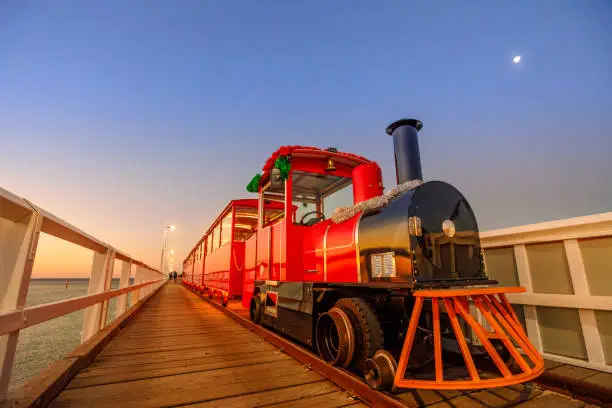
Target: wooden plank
pixel 150 365
pixel 182 332
pixel 331 400
pixel 277 396
pixel 190 388
pixel 177 347
pixel 145 360
pixel 188 340
pixel 130 374
pixel 427 397
pixel 546 400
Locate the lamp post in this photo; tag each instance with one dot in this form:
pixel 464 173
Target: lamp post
pixel 168 228
pixel 171 260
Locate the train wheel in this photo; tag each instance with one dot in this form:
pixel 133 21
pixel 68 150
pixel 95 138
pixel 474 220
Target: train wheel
pixel 335 337
pixel 225 301
pixel 380 371
pixel 255 309
pixel 368 331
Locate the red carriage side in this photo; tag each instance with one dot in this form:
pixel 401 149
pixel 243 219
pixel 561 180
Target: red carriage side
pixel 216 263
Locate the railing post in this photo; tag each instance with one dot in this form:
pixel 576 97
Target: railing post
pixel 18 243
pixel 97 282
pixel 590 331
pixel 107 285
pixel 124 282
pixel 146 275
pixel 531 315
pixel 137 280
pixel 147 289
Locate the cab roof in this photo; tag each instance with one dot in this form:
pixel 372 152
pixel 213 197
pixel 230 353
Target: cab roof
pixel 349 159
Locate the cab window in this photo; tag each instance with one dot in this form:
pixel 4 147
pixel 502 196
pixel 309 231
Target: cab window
pixel 317 195
pixel 273 205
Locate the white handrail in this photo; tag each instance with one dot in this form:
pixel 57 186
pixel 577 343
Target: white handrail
pixel 585 300
pixel 21 223
pixel 24 318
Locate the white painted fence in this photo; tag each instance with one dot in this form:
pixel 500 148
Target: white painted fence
pixel 566 267
pixel 21 223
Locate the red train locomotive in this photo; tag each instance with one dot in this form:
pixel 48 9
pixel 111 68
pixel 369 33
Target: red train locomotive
pixel 391 285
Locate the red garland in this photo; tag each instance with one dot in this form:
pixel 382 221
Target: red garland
pixel 285 150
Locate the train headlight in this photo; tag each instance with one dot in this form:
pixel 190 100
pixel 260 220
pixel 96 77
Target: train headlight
pixel 383 265
pixel 449 228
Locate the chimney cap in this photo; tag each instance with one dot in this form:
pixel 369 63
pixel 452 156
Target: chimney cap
pixel 417 124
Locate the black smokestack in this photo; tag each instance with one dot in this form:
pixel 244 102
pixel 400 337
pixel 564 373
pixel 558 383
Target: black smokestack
pixel 406 146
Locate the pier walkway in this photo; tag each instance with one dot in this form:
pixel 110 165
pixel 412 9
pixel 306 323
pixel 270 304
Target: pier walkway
pixel 181 350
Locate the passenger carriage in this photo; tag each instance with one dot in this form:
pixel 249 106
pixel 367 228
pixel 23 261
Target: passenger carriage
pixel 215 265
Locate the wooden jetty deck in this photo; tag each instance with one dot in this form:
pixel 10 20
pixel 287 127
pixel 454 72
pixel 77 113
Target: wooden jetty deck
pixel 180 350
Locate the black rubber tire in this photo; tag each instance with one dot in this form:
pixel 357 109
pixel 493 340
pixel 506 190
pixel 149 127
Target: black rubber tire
pixel 368 331
pixel 255 309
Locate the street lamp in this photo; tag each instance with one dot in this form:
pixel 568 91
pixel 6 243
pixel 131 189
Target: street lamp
pixel 171 260
pixel 168 228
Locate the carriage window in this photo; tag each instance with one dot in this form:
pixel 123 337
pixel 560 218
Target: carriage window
pixel 245 223
pixel 216 237
pixel 210 241
pixel 272 212
pixel 226 229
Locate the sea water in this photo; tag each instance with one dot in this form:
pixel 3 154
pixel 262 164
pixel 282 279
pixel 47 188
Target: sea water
pixel 41 345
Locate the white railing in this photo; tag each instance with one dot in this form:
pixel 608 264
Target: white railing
pixel 565 267
pixel 21 223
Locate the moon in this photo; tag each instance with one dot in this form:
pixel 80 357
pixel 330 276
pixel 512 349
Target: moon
pixel 516 59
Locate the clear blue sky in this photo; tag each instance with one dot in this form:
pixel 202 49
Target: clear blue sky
pixel 123 116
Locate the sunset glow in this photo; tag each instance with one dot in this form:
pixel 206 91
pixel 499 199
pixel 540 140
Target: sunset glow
pixel 124 120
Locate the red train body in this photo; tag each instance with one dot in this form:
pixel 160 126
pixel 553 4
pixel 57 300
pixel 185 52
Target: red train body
pixel 348 283
pixel 216 263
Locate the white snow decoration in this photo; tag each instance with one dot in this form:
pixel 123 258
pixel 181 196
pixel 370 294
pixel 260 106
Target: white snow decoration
pixel 342 214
